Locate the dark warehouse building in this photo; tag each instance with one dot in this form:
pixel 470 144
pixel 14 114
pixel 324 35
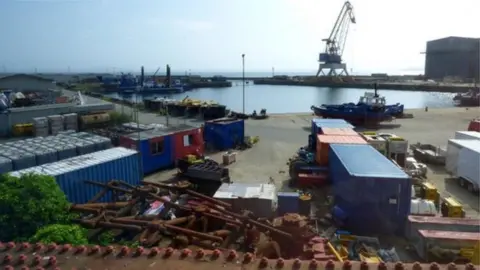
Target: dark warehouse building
pixel 453 57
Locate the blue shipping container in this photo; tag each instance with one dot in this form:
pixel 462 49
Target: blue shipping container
pixel 224 134
pixel 113 164
pixel 156 149
pixel 288 202
pixel 319 123
pixel 373 192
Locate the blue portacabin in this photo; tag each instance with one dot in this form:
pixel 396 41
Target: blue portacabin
pixel 224 134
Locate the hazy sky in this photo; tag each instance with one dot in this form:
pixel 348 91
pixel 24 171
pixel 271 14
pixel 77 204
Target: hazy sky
pixel 211 35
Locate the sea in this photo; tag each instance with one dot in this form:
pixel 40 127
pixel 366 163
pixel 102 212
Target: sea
pixel 297 99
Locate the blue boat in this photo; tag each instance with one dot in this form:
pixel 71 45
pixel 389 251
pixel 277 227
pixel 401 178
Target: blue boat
pixel 371 109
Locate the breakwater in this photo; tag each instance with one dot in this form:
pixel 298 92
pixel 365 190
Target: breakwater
pixel 402 86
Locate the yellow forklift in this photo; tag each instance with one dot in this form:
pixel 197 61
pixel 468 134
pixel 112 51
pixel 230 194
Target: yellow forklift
pixel 451 208
pixel 428 191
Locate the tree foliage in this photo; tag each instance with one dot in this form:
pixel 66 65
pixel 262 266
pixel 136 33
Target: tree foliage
pixel 28 203
pixel 61 234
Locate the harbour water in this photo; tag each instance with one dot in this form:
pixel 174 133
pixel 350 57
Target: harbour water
pixel 296 99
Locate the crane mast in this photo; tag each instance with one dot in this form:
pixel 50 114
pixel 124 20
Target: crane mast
pixel 331 58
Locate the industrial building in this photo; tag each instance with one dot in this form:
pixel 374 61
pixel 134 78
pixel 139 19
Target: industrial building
pixel 26 83
pixel 454 57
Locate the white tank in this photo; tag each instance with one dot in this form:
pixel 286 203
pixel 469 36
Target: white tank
pixel 421 207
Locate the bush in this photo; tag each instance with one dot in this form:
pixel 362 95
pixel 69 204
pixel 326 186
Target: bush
pixel 29 203
pixel 118 118
pixel 61 234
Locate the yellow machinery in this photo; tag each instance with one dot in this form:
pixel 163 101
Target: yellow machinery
pixel 20 130
pixel 428 191
pixel 192 159
pixel 452 208
pixel 472 254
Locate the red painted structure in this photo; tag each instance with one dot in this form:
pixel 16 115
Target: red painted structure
pixel 188 142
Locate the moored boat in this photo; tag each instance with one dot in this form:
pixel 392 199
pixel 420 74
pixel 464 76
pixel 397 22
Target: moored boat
pixel 469 99
pixel 370 109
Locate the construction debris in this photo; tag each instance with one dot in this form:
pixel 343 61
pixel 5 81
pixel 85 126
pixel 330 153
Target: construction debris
pixel 173 215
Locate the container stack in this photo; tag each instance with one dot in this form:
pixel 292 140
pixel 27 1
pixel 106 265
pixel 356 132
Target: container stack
pixel 22 154
pixel 70 121
pixel 40 126
pixel 56 124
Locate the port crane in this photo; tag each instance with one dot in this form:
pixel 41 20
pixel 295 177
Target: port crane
pixel 332 57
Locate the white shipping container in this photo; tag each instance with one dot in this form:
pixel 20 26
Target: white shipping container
pixel 453 150
pixel 469 166
pixel 467 135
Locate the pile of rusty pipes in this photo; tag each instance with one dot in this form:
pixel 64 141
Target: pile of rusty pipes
pixel 202 221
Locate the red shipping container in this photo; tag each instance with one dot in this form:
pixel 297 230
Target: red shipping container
pixel 188 142
pixel 324 141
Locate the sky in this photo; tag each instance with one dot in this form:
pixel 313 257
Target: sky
pixel 211 35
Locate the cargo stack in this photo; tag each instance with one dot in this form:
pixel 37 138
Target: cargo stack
pixel 375 141
pixel 22 154
pixel 56 124
pixel 70 121
pixel 40 126
pixel 325 141
pixel 320 124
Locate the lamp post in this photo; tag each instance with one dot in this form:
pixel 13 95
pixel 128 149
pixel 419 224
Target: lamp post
pixel 243 81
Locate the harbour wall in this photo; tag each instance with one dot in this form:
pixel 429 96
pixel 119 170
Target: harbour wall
pixel 446 88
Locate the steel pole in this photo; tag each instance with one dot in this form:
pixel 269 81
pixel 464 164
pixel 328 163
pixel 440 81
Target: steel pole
pixel 243 81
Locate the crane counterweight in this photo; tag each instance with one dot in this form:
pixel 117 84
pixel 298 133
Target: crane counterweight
pixel 331 58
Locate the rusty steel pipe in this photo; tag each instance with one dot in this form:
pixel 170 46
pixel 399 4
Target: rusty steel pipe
pixel 130 221
pixel 208 199
pixel 194 233
pixel 221 233
pixel 269 228
pixel 106 205
pixel 236 222
pixel 80 208
pixel 119 226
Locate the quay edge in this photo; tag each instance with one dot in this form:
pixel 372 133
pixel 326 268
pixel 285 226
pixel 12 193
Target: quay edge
pixel 446 88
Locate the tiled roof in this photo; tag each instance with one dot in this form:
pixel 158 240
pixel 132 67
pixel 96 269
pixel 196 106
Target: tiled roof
pixel 39 256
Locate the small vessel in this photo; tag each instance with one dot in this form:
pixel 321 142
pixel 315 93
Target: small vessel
pixel 370 109
pixel 469 99
pixel 373 99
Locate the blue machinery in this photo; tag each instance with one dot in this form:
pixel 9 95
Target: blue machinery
pixel 332 57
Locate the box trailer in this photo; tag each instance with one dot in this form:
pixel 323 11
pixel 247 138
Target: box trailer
pixel 463 157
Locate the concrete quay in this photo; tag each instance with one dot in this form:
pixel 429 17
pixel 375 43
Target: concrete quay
pixel 403 86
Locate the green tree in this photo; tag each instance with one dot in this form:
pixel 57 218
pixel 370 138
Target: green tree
pixel 28 203
pixel 61 234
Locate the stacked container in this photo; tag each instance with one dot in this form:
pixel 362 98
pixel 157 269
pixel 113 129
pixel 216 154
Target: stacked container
pixel 376 141
pixel 104 166
pixel 325 141
pixel 319 124
pixel 40 126
pixel 70 121
pixel 371 193
pixel 56 124
pixel 397 148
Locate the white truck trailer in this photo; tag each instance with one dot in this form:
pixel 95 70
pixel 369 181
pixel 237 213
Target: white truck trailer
pixel 463 162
